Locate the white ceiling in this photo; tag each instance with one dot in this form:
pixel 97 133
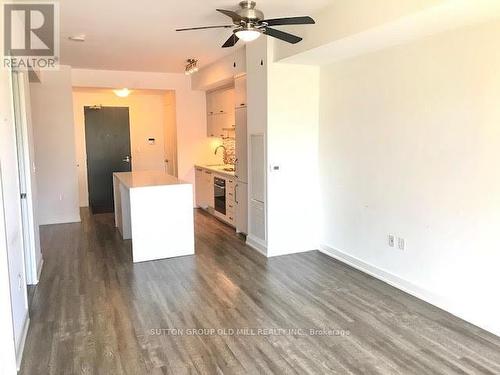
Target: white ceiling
pixel 140 36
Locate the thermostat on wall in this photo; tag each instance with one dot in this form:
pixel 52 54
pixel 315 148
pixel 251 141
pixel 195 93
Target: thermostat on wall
pixel 151 141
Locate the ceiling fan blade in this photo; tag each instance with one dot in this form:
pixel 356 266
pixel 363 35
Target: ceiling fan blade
pixel 233 39
pixel 205 27
pixel 290 38
pixel 289 21
pixel 234 16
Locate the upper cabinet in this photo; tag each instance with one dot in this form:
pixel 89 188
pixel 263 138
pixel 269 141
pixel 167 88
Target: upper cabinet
pixel 220 101
pixel 220 111
pixel 240 91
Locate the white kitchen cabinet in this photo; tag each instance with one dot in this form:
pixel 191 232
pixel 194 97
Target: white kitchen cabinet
pixel 240 92
pixel 216 124
pixel 210 103
pixel 241 145
pixel 227 100
pixel 204 188
pixel 241 211
pixel 220 111
pixel 199 187
pixel 208 184
pixel 220 101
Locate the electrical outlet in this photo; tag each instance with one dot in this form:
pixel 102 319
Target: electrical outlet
pixel 401 243
pixel 391 240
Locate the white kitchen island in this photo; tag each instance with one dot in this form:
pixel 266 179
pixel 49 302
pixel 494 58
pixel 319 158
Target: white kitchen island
pixel 155 210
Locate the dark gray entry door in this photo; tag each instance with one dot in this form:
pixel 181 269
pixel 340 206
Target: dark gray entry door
pixel 107 139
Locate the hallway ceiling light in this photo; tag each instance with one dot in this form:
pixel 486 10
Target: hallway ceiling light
pixel 122 93
pixel 77 38
pixel 191 66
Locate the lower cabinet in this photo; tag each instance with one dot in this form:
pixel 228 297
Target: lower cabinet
pixel 204 188
pixel 198 185
pixel 208 188
pixel 230 202
pixel 236 198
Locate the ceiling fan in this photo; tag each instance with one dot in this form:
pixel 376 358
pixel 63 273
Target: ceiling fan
pixel 249 24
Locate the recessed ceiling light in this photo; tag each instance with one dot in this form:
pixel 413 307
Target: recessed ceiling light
pixel 122 93
pixel 77 38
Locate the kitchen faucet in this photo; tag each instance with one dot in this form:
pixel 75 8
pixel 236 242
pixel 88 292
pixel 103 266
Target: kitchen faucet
pixel 217 149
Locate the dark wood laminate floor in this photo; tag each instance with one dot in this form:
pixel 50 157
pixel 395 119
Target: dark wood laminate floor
pixel 94 312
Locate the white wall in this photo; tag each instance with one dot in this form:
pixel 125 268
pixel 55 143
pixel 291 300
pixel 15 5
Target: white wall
pixel 147 116
pixel 292 146
pixel 354 27
pixel 409 144
pixel 283 104
pixel 257 54
pixel 57 175
pixel 220 72
pixel 7 346
pixel 170 133
pixel 193 146
pixel 345 18
pixel 11 235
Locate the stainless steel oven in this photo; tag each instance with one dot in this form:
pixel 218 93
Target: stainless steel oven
pixel 220 195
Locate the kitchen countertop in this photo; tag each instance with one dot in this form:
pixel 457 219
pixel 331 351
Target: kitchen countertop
pixel 147 178
pixel 217 169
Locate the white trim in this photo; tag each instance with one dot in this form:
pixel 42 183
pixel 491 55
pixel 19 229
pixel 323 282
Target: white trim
pixel 20 348
pixel 39 270
pixel 257 244
pixel 402 284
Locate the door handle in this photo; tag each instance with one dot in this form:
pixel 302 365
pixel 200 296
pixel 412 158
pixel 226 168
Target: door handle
pixel 126 159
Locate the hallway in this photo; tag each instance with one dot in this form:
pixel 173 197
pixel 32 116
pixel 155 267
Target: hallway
pixel 95 312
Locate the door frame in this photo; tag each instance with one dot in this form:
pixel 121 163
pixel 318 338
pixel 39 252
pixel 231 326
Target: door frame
pixel 85 171
pixel 31 239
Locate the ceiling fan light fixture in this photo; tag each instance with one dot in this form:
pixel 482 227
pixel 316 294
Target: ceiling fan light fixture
pixel 248 34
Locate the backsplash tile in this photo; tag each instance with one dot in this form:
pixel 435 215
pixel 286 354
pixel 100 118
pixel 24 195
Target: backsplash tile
pixel 230 154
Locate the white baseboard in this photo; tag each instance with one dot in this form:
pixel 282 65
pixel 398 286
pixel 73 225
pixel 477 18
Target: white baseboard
pixel 257 244
pixel 63 220
pixel 20 347
pixel 402 284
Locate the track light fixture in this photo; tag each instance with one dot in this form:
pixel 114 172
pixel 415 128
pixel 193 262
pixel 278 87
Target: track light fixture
pixel 191 66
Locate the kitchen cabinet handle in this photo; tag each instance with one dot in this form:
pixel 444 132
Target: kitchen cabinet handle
pixel 208 172
pixel 235 193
